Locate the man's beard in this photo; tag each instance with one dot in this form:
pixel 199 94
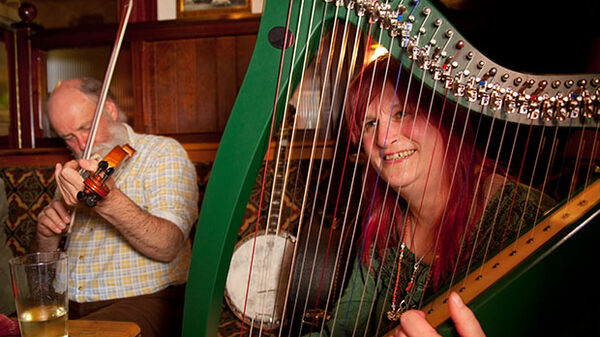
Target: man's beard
pixel 118 136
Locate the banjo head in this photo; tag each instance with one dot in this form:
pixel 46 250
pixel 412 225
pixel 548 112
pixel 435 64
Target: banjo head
pixel 261 302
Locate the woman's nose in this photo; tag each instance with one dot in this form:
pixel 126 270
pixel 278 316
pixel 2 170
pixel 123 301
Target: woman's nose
pixel 383 132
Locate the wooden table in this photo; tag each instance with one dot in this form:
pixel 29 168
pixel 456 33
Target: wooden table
pixel 84 328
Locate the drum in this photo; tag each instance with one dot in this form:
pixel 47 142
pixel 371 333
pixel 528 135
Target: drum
pixel 262 302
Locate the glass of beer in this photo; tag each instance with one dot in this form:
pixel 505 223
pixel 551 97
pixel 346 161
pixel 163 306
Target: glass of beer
pixel 39 283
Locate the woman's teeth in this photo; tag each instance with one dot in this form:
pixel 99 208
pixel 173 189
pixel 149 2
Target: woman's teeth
pixel 400 155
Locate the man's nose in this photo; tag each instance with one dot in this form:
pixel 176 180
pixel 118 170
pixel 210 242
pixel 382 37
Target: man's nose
pixel 81 141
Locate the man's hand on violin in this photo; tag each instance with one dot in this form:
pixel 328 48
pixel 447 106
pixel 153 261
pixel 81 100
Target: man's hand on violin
pixel 69 181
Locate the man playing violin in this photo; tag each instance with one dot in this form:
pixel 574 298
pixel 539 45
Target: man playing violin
pixel 129 255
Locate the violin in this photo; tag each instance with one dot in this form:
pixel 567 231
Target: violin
pixel 94 188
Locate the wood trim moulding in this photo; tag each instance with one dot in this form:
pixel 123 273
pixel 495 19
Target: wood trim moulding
pixel 34 157
pixel 98 35
pixel 197 151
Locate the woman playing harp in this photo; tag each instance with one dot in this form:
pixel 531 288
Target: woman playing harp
pixel 433 205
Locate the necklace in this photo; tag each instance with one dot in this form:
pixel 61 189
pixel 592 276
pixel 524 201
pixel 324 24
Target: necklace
pixel 398 309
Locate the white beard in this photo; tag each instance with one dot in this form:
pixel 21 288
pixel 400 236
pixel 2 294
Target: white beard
pixel 118 136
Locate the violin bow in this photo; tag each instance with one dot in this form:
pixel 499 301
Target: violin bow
pixel 107 78
pixel 87 152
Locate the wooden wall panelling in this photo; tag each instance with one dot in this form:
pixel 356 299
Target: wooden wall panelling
pixel 226 79
pixel 184 74
pixel 191 84
pixel 178 86
pixel 197 105
pixel 38 93
pixel 12 140
pixel 245 47
pixel 139 121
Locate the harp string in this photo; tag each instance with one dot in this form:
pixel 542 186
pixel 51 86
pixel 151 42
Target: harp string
pixel 593 155
pixel 488 193
pixel 296 184
pixel 435 145
pixel 356 219
pixel 352 183
pixel 345 159
pixel 380 217
pixel 286 147
pixel 312 158
pixel 286 35
pixel 336 83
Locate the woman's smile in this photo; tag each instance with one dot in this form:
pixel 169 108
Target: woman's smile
pixel 399 155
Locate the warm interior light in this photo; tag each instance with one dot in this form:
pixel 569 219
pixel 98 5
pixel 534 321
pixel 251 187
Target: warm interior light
pixel 376 51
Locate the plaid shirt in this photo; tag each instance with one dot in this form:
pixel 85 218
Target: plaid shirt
pixel 160 179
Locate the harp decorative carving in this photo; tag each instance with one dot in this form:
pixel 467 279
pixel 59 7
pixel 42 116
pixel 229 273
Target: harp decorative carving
pixel 560 111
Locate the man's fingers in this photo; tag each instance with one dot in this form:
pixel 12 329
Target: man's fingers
pixel 465 321
pixel 50 223
pixel 88 164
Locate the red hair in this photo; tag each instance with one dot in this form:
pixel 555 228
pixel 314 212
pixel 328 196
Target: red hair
pixel 382 212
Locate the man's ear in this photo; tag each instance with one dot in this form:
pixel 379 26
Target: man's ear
pixel 111 109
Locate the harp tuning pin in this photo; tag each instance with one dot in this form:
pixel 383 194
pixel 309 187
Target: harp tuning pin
pixel 449 33
pixel 595 82
pixel 541 86
pixel 517 81
pixel 437 22
pixel 426 11
pixel 460 44
pixel 491 73
pixel 581 83
pixel 569 83
pixel 555 84
pixel 504 77
pixel 480 64
pixel 470 55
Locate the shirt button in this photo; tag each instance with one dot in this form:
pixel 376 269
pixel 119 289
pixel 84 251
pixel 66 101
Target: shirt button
pixel 81 257
pixel 79 288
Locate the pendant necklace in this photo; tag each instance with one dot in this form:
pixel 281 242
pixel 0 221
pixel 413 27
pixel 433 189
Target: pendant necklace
pixel 398 309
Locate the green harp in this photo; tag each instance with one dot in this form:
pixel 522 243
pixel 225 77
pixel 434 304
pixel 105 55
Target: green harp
pixel 521 297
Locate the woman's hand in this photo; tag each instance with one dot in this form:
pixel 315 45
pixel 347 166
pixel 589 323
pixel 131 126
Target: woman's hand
pixel 414 324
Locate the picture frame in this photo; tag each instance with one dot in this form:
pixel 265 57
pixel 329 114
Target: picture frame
pixel 213 8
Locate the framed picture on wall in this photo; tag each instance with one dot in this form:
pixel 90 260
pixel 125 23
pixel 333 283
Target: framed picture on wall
pixel 212 8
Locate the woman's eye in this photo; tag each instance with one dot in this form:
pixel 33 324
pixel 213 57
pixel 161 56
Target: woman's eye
pixel 370 124
pixel 399 114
